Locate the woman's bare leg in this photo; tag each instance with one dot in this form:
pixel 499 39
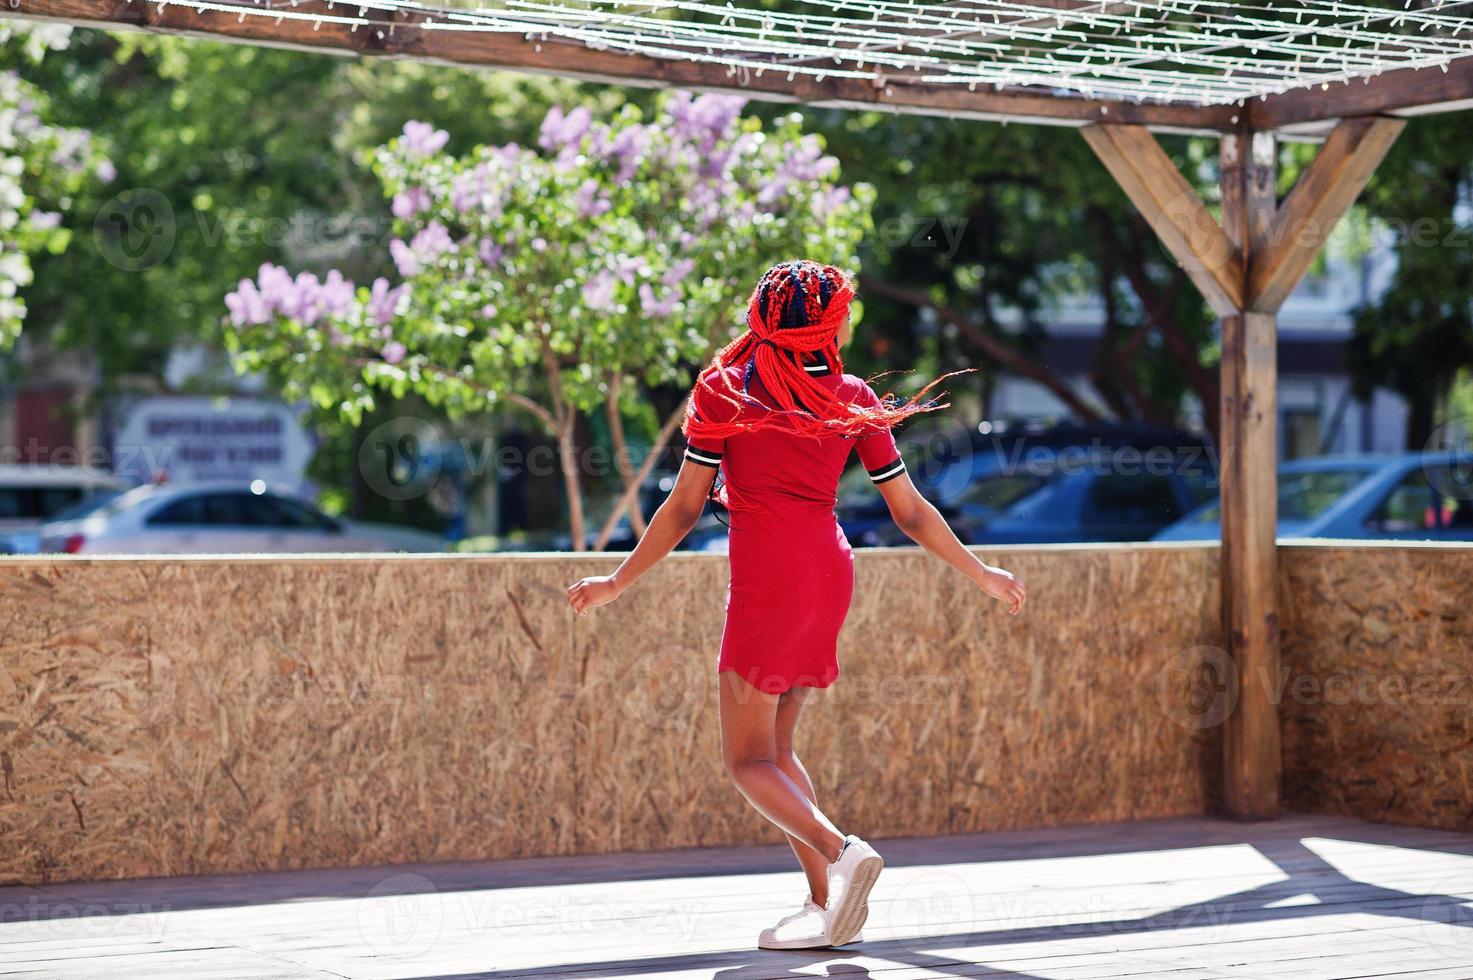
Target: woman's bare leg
pixel 749 749
pixel 815 866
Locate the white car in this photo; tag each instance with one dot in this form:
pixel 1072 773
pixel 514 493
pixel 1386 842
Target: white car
pixel 33 493
pixel 220 518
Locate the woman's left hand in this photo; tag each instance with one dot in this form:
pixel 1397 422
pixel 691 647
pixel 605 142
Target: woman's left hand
pixel 596 590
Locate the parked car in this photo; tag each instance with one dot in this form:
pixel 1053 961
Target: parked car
pixel 33 494
pixel 1068 496
pixel 207 518
pixel 1415 496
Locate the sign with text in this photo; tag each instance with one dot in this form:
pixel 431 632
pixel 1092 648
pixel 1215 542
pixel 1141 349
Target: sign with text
pixel 189 439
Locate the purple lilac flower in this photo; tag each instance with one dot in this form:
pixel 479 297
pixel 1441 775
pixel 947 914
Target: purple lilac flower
pixel 45 220
pixel 677 272
pixel 337 296
pixel 590 205
pixel 423 140
pixel 409 202
pixel 628 148
pixel 404 258
pixel 626 267
pixel 472 190
pixel 304 303
pixel 658 307
pixel 598 292
pixel 490 253
pixel 703 120
pixel 393 352
pixel 826 203
pixel 560 130
pixel 247 306
pixel 431 242
pixel 383 302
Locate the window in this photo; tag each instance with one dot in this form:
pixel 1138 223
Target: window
pixel 189 510
pixel 1000 492
pixel 1417 505
pixel 1138 499
pixel 36 503
pixel 13 502
pixel 1305 496
pixel 217 510
pixel 49 500
pixel 280 512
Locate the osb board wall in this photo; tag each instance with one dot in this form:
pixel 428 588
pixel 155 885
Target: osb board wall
pixel 176 716
pixel 1377 682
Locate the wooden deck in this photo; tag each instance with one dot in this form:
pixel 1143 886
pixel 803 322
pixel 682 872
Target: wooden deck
pixel 1302 897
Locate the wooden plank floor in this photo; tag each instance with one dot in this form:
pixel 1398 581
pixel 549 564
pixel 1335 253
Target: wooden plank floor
pixel 1301 898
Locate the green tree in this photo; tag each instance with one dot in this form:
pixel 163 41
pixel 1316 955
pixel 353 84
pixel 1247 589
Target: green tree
pixel 562 281
pixel 983 230
pixel 42 166
pixel 1417 336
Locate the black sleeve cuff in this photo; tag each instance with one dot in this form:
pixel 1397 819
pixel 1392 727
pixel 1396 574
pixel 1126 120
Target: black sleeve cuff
pixel 703 457
pixel 889 471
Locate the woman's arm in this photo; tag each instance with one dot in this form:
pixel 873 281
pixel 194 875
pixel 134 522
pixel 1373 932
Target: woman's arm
pixel 672 522
pixel 923 524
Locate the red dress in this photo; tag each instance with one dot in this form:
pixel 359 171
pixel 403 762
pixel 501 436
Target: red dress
pixel 792 573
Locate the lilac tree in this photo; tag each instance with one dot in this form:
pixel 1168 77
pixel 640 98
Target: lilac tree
pixel 41 166
pixel 564 279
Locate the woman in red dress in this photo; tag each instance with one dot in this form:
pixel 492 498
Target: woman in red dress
pixel 776 414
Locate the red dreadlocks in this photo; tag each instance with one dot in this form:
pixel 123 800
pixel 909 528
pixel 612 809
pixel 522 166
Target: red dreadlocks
pixel 796 310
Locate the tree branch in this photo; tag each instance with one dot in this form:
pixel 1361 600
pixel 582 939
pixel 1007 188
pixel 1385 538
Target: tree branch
pixel 990 346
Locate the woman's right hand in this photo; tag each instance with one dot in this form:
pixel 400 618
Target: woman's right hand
pixel 1004 585
pixel 596 590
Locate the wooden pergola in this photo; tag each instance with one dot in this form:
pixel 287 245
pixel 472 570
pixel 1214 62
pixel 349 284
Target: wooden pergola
pixel 1245 263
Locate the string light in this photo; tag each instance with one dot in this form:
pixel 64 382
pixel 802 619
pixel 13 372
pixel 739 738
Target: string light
pixel 1192 52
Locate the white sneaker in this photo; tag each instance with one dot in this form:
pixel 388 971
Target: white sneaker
pixel 804 929
pixel 850 880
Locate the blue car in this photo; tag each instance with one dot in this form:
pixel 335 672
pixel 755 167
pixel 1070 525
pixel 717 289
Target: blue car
pixel 1071 495
pixel 1414 496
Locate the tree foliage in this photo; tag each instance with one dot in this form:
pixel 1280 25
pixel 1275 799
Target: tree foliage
pixel 42 166
pixel 561 279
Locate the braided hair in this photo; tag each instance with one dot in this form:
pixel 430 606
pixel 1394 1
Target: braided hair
pixel 796 311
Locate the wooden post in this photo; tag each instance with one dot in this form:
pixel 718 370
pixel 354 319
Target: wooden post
pixel 1245 267
pixel 1248 465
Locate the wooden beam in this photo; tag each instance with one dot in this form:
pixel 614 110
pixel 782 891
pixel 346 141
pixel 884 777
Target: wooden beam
pixel 574 60
pixel 1404 92
pixel 1247 470
pixel 1185 227
pixel 1321 197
